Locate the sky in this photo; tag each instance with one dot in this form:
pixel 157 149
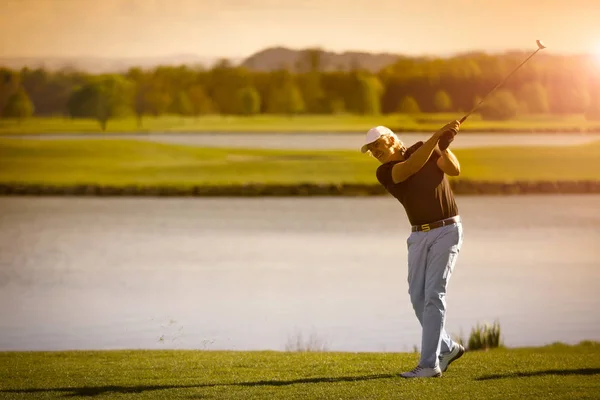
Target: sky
pixel 239 28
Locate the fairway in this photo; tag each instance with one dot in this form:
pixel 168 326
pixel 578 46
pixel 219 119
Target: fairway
pixel 552 372
pixel 131 162
pixel 425 122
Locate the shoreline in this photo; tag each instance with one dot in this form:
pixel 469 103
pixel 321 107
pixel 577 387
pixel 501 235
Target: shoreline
pixel 142 350
pixel 266 130
pixel 301 123
pixel 460 187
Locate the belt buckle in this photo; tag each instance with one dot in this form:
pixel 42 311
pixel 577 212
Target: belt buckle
pixel 425 227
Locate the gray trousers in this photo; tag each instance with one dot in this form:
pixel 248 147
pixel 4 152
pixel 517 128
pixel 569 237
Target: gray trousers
pixel 431 259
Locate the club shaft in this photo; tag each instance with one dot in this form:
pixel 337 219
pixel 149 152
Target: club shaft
pixel 497 86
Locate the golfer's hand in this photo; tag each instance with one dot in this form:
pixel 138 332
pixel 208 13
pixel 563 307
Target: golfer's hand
pixel 447 133
pixel 452 127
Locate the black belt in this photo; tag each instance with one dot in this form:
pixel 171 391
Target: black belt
pixel 436 224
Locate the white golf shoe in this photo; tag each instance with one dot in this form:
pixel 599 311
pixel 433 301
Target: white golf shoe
pixel 421 372
pixel 454 354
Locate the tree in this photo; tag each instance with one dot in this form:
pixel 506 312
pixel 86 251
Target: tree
pixel 369 95
pixel 362 92
pixel 36 83
pixel 248 101
pixel 336 105
pixel 9 83
pixel 201 103
pixel 310 60
pixel 312 91
pixel 286 99
pixel 442 101
pixel 140 88
pixel 157 93
pixel 103 98
pixel 182 105
pixel 222 84
pixel 535 96
pixel 50 91
pixel 18 106
pixel 568 97
pixel 409 105
pixel 501 105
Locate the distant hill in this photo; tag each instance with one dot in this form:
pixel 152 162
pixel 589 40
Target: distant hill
pixel 266 60
pixel 297 60
pixel 96 65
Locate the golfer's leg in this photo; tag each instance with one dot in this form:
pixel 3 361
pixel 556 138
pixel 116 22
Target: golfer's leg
pixel 446 344
pixel 417 259
pixel 440 264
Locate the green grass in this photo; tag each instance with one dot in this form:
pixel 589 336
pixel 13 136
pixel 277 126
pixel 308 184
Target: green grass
pixel 212 123
pixel 551 372
pixel 123 162
pixel 304 123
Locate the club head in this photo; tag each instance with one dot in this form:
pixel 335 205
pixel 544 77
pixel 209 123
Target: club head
pixel 540 45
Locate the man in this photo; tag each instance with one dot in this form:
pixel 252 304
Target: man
pixel 416 177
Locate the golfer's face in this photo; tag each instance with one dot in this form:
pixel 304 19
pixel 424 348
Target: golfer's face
pixel 381 150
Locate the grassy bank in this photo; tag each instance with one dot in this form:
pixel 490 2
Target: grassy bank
pixel 131 162
pixel 307 123
pixel 551 372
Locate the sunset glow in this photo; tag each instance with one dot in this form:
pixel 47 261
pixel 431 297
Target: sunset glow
pixel 235 28
pixel 596 53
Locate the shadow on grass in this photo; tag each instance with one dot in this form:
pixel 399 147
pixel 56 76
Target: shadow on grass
pixel 90 391
pixel 562 372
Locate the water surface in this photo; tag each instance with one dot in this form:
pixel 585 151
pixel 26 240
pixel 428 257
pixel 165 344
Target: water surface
pixel 248 274
pixel 323 141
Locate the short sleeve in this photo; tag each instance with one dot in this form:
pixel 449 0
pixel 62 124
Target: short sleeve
pixel 384 174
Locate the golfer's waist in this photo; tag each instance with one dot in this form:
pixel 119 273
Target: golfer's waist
pixel 436 224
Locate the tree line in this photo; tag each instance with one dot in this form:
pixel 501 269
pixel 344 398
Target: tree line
pixel 548 84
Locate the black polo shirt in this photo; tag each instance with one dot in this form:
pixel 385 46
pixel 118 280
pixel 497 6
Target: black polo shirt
pixel 425 195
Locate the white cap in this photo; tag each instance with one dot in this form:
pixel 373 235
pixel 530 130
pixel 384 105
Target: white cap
pixel 373 134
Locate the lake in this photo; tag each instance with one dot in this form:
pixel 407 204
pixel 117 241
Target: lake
pixel 324 141
pixel 257 273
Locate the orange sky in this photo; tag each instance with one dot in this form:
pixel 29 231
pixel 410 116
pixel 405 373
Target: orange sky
pixel 237 28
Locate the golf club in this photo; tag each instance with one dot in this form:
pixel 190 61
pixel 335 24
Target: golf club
pixel 540 47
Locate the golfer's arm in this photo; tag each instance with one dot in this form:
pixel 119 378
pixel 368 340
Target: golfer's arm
pixel 448 162
pixel 402 171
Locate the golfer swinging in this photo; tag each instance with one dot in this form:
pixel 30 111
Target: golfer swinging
pixel 417 178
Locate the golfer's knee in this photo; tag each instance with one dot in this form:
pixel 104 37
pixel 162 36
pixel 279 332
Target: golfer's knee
pixel 417 299
pixel 436 300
